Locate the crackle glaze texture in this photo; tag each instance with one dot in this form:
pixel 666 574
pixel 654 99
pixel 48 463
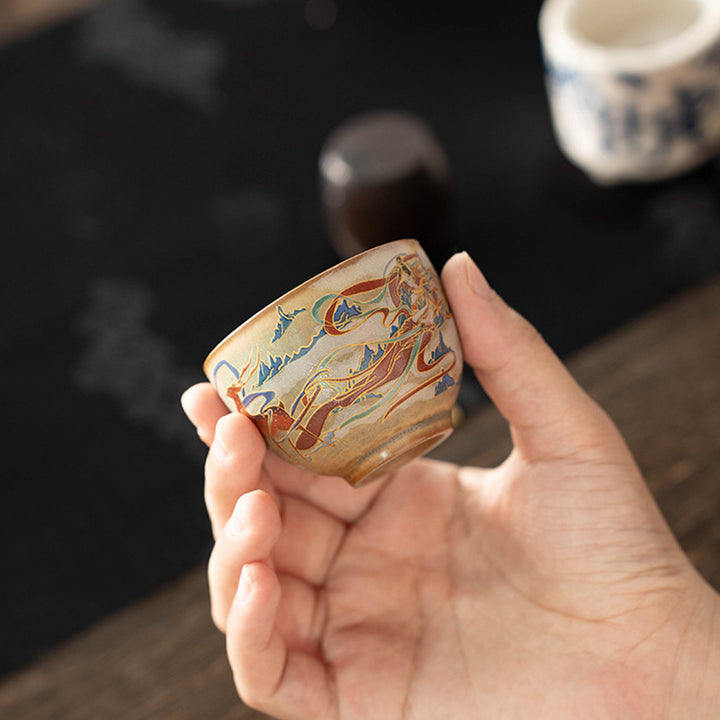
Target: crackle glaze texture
pixel 354 372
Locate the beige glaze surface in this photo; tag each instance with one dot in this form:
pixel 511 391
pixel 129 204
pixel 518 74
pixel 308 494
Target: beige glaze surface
pixel 353 369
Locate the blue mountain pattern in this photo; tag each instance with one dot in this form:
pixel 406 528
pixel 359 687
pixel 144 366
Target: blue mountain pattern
pixel 284 322
pixel 344 311
pixel 369 357
pixel 440 350
pixel 275 363
pixel 442 385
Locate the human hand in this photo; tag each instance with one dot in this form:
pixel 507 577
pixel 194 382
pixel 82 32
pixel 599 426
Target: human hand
pixel 547 588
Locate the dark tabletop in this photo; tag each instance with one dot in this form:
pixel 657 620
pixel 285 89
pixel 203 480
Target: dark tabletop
pixel 158 185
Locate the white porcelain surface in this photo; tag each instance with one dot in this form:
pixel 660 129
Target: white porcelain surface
pixel 633 85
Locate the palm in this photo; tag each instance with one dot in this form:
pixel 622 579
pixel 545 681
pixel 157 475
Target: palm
pixel 407 592
pixel 390 577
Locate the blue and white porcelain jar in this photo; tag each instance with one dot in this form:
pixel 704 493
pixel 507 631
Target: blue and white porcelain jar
pixel 634 85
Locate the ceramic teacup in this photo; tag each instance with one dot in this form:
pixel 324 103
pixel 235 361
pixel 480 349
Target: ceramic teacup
pixel 634 85
pixel 353 373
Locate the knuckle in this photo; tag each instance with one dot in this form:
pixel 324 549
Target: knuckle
pixel 598 435
pixel 249 695
pixel 214 568
pixel 525 331
pixel 218 618
pixel 208 493
pixel 515 337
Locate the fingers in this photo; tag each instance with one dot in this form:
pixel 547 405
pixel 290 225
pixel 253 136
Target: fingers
pixel 268 674
pixel 249 536
pixel 204 408
pixel 233 467
pixel 549 414
pixel 309 541
pixel 302 545
pixel 302 614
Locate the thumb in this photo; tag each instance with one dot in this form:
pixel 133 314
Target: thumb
pixel 549 414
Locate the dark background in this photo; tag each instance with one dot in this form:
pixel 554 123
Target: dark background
pixel 158 185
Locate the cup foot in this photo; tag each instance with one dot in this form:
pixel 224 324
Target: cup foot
pixel 399 450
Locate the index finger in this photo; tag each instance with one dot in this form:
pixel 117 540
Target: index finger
pixel 331 494
pixel 204 408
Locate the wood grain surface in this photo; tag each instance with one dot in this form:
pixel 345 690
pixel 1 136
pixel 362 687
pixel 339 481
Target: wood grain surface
pixel 161 658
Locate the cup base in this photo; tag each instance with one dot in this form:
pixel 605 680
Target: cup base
pixel 399 450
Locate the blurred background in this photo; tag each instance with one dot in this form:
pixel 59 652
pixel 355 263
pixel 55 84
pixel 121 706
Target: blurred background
pixel 159 184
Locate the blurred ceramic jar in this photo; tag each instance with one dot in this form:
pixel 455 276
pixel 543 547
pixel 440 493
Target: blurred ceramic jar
pixel 633 85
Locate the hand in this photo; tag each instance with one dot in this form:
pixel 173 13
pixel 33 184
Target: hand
pixel 547 588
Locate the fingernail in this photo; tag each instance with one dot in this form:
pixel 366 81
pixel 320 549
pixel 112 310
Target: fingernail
pixel 218 447
pixel 245 584
pixel 475 279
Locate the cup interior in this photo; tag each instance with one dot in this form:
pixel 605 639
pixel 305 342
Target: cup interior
pixel 632 23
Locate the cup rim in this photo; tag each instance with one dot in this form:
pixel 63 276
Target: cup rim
pixel 271 307
pixel 561 42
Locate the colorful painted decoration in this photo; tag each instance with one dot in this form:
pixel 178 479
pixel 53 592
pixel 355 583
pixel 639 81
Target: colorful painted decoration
pixel 392 351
